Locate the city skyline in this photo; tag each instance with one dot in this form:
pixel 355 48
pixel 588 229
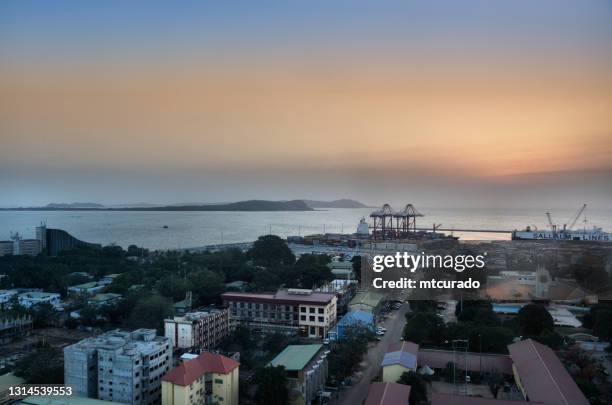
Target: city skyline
pixel 479 102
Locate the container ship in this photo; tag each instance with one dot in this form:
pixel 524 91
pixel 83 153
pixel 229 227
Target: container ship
pixel 564 233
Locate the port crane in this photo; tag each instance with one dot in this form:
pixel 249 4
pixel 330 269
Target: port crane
pixel 553 227
pixel 580 211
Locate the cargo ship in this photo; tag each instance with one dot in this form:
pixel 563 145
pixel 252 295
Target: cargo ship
pixel 564 233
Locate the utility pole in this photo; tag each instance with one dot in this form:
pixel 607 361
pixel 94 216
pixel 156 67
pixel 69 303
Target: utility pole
pixel 459 344
pixel 480 343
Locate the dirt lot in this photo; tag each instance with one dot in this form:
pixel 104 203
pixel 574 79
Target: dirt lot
pixel 56 337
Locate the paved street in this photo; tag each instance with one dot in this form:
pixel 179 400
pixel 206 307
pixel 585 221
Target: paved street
pixel 358 392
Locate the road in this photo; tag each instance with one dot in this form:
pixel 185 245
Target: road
pixel 358 392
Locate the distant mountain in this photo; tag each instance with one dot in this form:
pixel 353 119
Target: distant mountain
pixel 342 203
pixel 74 205
pixel 250 205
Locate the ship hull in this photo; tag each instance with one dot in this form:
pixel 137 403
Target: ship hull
pixel 562 236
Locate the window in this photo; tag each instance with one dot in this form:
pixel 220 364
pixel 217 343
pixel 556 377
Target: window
pixel 303 317
pixel 312 319
pixel 218 381
pixel 321 319
pixel 320 310
pixel 303 309
pixel 312 310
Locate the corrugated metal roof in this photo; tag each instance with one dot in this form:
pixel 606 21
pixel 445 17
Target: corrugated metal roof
pixel 449 399
pixel 189 370
pixel 543 376
pixel 388 394
pixel 405 359
pixel 296 357
pixel 353 317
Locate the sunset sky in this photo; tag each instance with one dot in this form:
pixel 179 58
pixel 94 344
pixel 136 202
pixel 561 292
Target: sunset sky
pixel 478 101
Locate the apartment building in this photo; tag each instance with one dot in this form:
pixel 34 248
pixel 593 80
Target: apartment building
pixel 308 313
pixel 207 379
pixel 202 330
pixel 124 367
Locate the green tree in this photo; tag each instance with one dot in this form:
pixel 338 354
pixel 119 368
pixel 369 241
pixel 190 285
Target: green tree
pixel 270 250
pixel 89 316
pixel 418 386
pixel 347 353
pixel 207 286
pixel 44 314
pixel 271 386
pixel 550 338
pixel 591 274
pixel 309 271
pixel 275 343
pixel 424 326
pixel 42 366
pixel 599 319
pixel 535 319
pixel 151 312
pixel 173 287
pixel 490 339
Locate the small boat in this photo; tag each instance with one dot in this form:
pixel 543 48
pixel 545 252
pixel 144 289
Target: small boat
pixel 165 226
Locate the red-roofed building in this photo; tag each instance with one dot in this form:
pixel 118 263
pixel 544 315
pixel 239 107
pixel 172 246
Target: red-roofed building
pixel 208 378
pixel 384 393
pixel 450 399
pixel 542 377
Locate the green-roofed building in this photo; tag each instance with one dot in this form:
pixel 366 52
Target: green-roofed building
pixel 306 367
pixel 369 301
pixel 7 381
pixel 72 400
pixel 102 299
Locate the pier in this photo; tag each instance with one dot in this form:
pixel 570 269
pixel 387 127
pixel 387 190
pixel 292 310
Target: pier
pixel 466 230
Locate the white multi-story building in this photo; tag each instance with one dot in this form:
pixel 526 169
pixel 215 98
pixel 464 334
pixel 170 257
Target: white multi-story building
pixel 312 314
pixel 6 295
pixel 124 367
pixel 30 299
pixel 203 330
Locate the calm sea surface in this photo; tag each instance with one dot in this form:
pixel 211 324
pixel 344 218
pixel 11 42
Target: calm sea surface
pixel 194 229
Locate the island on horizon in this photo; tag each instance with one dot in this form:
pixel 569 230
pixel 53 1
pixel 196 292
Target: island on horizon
pixel 248 205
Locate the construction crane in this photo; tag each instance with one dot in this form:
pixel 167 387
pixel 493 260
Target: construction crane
pixel 550 222
pixel 580 211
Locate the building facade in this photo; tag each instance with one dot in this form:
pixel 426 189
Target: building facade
pixel 202 330
pixel 306 368
pixel 207 379
pixel 29 247
pixel 308 313
pixel 124 367
pixel 400 358
pixel 53 241
pixel 14 328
